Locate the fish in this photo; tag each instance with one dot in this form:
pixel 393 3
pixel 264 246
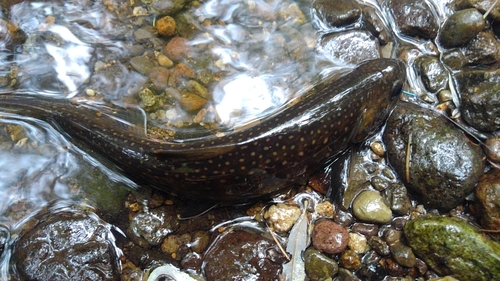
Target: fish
pixel 275 153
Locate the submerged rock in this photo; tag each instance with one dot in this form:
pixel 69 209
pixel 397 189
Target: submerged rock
pixel 451 246
pixel 68 246
pixel 442 167
pixel 414 18
pixel 352 47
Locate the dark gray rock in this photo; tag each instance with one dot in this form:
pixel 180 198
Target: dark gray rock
pixel 339 13
pixel 461 27
pixel 443 165
pixel 414 18
pixel 433 73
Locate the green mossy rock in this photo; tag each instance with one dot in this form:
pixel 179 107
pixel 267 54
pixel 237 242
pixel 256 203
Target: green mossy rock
pixel 451 246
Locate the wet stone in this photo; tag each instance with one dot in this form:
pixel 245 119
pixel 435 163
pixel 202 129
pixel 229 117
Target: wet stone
pixel 461 27
pixel 375 25
pixel 243 255
pixel 454 59
pixel 318 266
pixel 398 199
pixel 366 229
pixel 142 64
pixel 350 260
pixel 433 73
pixel 176 48
pixel 329 14
pixel 395 269
pixel 481 106
pixel 443 167
pixel 329 237
pixel 452 246
pixel 369 206
pixel 492 149
pixel 159 77
pixel 379 245
pixel 403 255
pixel 67 246
pixel 169 8
pixel 282 217
pixel 351 47
pixel 488 200
pixel 483 49
pixel 149 228
pixel 414 18
pixel 358 243
pixel 481 5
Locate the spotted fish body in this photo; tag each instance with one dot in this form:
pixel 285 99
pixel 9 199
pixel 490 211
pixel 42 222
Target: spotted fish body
pixel 281 149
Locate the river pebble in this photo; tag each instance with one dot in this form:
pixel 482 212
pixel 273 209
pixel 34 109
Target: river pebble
pixel 318 266
pixel 369 206
pixel 433 73
pixel 443 166
pixel 403 255
pixel 483 49
pixel 481 106
pixel 414 18
pixel 329 237
pixel 350 260
pixel 176 49
pixel 335 14
pixel 169 8
pixel 461 27
pixel 358 243
pixel 243 255
pixel 375 25
pixel 452 246
pixel 351 47
pixel 166 26
pixel 492 149
pixel 67 246
pixel 379 245
pixel 281 217
pixel 149 227
pixel 481 5
pixel 488 200
pixel 398 199
pixel 367 229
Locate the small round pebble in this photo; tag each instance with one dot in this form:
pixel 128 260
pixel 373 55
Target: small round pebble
pixel 330 237
pixel 318 266
pixel 369 206
pixel 166 26
pixel 358 243
pixel 350 260
pixel 403 255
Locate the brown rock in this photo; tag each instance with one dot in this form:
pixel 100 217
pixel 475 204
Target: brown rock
pixel 159 77
pixel 488 200
pixel 166 26
pixel 330 237
pixel 177 48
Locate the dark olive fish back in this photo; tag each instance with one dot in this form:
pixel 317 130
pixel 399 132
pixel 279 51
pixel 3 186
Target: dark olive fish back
pixel 279 150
